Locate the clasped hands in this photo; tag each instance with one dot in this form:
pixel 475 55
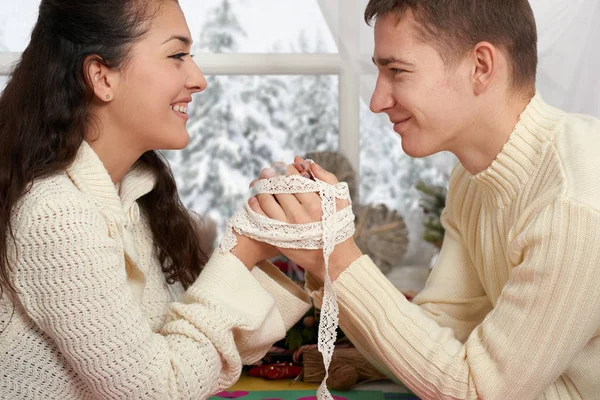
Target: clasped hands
pixel 297 208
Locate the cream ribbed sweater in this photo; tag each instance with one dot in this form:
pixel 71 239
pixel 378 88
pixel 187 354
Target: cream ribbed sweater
pixel 95 317
pixel 512 308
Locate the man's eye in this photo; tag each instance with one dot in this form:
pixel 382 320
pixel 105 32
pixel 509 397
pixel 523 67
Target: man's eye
pixel 396 70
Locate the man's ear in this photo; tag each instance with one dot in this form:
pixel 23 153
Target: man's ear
pixel 485 66
pixel 102 79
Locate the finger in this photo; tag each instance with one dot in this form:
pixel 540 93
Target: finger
pixel 271 207
pixel 255 206
pixel 323 175
pixel 267 202
pixel 305 198
pixel 279 168
pixel 299 167
pixel 302 161
pixel 302 170
pixel 330 178
pixel 290 202
pixel 266 173
pixel 294 169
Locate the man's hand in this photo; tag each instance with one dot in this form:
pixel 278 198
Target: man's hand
pixel 303 208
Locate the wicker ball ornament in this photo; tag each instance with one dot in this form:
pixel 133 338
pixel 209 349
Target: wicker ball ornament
pixel 380 233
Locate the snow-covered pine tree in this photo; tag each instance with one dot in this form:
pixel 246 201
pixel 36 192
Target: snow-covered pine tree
pixel 314 108
pixel 222 30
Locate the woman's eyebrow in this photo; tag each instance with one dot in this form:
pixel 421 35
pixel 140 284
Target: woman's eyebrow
pixel 184 39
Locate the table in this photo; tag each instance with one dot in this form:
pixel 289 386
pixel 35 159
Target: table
pixel 251 388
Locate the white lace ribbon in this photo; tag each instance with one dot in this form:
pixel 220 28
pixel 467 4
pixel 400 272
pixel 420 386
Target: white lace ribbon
pixel 334 227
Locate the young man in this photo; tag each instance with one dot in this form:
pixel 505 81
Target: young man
pixel 512 308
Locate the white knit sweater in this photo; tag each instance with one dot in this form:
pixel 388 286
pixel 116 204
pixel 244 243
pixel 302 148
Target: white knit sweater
pixel 511 310
pixel 94 317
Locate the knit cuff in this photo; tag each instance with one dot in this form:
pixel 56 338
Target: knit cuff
pixel 291 301
pixel 226 282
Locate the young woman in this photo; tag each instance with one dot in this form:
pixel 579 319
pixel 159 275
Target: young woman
pixel 100 264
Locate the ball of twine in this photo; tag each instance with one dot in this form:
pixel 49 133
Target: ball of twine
pixel 348 368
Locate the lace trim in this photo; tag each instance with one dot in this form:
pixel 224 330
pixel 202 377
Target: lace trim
pixel 334 228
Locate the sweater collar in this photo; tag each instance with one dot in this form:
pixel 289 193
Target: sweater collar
pixel 90 176
pixel 521 154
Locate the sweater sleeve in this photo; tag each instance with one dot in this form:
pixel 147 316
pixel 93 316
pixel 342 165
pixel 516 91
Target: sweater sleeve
pixel 290 304
pixel 71 279
pixel 453 295
pixel 548 311
pixel 291 301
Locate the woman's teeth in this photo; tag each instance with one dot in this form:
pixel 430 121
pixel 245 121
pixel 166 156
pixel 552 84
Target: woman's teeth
pixel 181 109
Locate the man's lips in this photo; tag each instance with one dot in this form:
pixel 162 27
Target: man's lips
pixel 400 122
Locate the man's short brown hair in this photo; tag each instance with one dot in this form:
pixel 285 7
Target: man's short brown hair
pixel 455 26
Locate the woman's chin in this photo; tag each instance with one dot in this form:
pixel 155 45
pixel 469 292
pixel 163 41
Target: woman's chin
pixel 179 142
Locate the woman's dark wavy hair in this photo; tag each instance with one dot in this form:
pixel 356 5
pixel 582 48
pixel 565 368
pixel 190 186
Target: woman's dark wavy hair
pixel 44 119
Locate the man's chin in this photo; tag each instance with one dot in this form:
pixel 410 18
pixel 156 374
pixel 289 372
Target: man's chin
pixel 416 150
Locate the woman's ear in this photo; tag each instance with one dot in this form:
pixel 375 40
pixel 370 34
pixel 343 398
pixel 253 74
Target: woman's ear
pixel 102 79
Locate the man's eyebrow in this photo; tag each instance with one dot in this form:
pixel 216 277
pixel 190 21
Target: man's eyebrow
pixel 184 39
pixel 385 61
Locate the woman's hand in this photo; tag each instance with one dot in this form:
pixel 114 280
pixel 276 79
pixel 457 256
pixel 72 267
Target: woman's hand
pixel 250 252
pixel 303 208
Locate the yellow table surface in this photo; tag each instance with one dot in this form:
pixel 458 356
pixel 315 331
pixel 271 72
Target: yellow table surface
pixel 250 383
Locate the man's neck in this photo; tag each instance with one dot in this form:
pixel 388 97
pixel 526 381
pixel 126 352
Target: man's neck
pixel 486 137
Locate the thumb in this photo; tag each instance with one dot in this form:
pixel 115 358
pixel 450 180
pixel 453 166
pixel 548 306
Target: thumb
pixel 323 175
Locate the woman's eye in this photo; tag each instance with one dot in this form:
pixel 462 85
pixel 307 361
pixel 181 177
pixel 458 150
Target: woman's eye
pixel 179 56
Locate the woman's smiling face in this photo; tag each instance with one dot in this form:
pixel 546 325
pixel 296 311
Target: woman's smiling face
pixel 156 86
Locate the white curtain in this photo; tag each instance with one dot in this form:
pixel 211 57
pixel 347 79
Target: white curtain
pixel 569 60
pixel 569 40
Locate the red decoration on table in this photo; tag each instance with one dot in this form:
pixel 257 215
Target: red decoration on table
pixel 282 265
pixel 276 371
pixel 232 395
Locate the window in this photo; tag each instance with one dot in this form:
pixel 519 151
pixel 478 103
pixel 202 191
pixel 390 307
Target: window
pixel 277 87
